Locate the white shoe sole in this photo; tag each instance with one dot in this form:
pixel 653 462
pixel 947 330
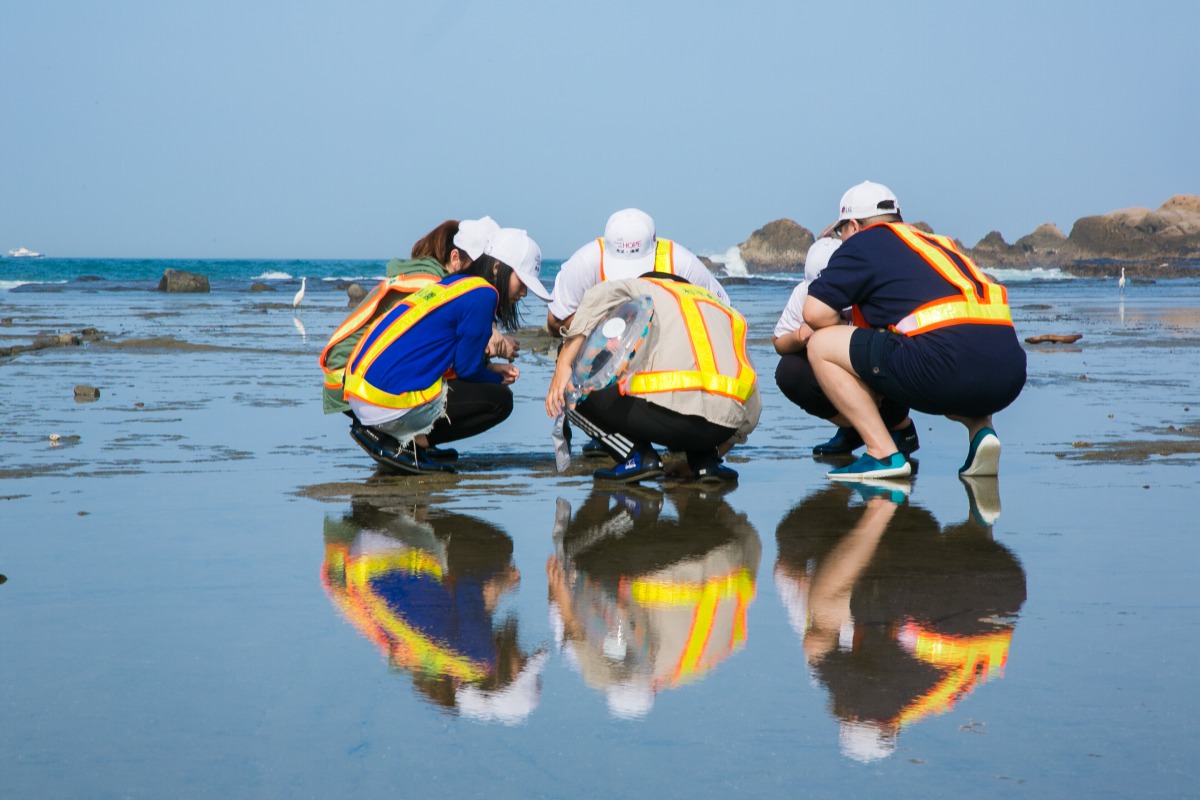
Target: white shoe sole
pixel 986 463
pixel 895 472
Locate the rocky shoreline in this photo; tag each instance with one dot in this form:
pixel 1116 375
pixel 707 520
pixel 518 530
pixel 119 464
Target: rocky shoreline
pixel 1152 244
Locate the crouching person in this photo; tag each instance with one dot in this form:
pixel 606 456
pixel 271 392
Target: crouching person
pixel 422 369
pixel 693 388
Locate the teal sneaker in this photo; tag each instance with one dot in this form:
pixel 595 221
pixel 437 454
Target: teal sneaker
pixel 983 459
pixel 892 490
pixel 894 466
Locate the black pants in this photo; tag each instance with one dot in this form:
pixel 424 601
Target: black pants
pixel 472 408
pixel 641 423
pixel 795 378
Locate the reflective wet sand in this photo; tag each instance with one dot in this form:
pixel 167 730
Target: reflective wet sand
pixel 208 591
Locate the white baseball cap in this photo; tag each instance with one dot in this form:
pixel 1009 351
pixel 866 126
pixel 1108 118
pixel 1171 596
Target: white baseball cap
pixel 474 234
pixel 629 237
pixel 818 257
pixel 514 247
pixel 867 199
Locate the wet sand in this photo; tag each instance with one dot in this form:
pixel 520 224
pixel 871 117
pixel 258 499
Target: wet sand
pixel 171 625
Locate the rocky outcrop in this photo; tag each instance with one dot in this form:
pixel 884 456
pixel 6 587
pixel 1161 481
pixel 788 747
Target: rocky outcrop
pixel 778 246
pixel 1148 240
pixel 178 281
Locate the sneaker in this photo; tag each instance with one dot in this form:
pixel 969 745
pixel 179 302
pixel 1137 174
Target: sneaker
pixel 714 472
pixel 846 440
pixel 434 453
pixel 867 466
pixel 906 439
pixel 637 467
pixel 593 449
pixel 984 456
pixel 406 460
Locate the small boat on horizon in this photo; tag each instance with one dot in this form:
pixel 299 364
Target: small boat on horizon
pixel 22 252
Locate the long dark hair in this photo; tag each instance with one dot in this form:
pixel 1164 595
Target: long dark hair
pixel 507 313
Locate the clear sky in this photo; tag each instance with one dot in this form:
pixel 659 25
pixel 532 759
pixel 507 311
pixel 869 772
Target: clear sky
pixel 244 128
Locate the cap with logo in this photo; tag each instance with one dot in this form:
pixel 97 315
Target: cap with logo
pixel 867 199
pixel 513 247
pixel 629 237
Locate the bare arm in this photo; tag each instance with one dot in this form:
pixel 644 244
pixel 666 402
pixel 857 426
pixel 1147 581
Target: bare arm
pixel 555 325
pixel 556 394
pixel 818 315
pixel 793 342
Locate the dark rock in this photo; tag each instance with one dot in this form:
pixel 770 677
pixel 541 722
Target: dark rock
pixel 84 393
pixel 259 286
pixel 178 281
pixel 355 293
pixel 713 266
pixel 778 246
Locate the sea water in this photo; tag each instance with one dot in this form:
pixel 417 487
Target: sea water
pixel 210 592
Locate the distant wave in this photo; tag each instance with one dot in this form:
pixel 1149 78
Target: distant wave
pixel 1028 275
pixel 273 276
pixel 9 285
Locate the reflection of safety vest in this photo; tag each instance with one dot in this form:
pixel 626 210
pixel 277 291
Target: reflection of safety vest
pixel 706 377
pixel 979 301
pixel 348 580
pixel 968 660
pixel 706 600
pixel 664 257
pixel 408 312
pixel 335 372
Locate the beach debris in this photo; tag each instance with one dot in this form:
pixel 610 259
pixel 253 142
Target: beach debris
pixel 54 439
pixel 179 281
pixel 1055 338
pixel 6 321
pixel 85 393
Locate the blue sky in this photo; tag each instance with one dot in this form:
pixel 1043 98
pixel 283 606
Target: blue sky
pixel 348 129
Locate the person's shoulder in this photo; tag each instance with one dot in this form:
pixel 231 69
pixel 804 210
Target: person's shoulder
pixel 587 255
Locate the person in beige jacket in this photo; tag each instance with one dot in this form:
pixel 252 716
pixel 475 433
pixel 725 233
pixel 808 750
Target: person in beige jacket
pixel 693 388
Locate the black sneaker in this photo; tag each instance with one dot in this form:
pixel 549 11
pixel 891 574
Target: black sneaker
pixel 398 459
pixel 845 441
pixel 906 439
pixel 638 467
pixel 593 449
pixel 439 454
pixel 716 473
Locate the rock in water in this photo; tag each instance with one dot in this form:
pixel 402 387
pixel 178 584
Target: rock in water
pixel 179 281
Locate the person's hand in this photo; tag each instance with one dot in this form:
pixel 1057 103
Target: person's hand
pixel 501 346
pixel 506 371
pixel 556 395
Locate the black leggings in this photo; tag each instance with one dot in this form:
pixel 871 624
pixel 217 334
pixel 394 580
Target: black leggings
pixel 472 408
pixel 796 380
pixel 644 422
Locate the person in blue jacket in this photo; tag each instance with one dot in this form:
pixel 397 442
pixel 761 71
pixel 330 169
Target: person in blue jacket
pixel 422 368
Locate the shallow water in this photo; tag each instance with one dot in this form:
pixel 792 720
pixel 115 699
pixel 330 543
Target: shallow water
pixel 210 593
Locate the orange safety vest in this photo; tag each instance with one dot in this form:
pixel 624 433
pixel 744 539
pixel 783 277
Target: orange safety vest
pixel 664 257
pixel 335 376
pixel 419 304
pixel 705 598
pixel 979 301
pixel 968 661
pixel 706 377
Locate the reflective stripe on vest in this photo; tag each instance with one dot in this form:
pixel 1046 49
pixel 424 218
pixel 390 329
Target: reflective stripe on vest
pixel 706 377
pixel 419 305
pixel 968 306
pixel 664 257
pixel 402 642
pixel 705 598
pixel 967 661
pixel 335 377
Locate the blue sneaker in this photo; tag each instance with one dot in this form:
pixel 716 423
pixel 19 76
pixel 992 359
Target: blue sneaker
pixel 637 467
pixel 715 472
pixel 867 466
pixel 983 459
pixel 845 440
pixel 895 491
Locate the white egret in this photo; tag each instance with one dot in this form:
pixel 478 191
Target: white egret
pixel 1121 280
pixel 299 295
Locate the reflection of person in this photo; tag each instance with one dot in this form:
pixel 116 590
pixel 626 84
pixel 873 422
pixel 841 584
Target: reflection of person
pixel 628 249
pixel 940 338
pixel 425 586
pixel 795 377
pixel 899 619
pixel 695 389
pixel 422 367
pixel 645 602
